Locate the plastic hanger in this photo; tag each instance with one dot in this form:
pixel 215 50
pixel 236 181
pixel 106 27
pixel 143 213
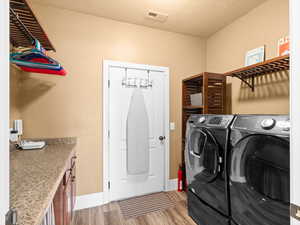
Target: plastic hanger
pixel 36 61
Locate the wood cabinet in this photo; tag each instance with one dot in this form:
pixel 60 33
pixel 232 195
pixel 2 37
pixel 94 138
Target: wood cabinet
pixel 58 204
pixel 64 199
pixel 73 187
pixel 68 202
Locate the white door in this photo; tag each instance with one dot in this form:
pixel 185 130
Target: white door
pixel 295 109
pixel 136 125
pixel 4 111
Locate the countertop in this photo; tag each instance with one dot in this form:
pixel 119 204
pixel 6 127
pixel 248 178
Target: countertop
pixel 35 176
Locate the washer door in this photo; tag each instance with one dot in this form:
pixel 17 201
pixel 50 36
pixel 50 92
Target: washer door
pixel 260 181
pixel 205 169
pixel 203 153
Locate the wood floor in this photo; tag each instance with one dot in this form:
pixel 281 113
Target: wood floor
pixel 110 214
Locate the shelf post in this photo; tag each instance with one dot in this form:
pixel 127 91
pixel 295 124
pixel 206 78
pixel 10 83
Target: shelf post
pixel 252 80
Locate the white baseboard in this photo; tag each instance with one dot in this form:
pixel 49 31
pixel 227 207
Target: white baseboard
pixel 172 185
pixel 96 199
pixel 89 201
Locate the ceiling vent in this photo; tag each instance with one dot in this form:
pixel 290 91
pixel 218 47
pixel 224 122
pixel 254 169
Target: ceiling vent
pixel 157 16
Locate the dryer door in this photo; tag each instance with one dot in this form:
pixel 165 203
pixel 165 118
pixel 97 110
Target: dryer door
pixel 259 181
pixel 203 156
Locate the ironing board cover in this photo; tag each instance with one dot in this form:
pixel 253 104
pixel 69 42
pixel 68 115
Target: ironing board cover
pixel 137 135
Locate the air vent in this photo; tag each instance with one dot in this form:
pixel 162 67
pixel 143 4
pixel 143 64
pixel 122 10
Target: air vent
pixel 157 16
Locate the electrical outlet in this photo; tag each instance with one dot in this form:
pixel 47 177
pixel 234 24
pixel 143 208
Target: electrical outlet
pixel 13 135
pixel 298 213
pixel 172 126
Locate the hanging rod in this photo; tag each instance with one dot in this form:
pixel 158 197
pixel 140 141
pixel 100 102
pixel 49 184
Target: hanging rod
pixel 24 26
pixel 136 68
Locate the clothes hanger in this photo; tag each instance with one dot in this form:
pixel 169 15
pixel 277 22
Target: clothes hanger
pixel 35 60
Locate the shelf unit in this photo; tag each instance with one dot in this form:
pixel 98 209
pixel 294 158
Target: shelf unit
pixel 248 73
pixel 24 26
pixel 213 89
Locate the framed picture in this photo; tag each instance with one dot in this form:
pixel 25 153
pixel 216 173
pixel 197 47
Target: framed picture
pixel 255 56
pixel 283 46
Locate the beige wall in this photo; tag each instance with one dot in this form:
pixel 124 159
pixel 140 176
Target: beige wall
pixel 226 51
pixel 15 85
pixel 72 106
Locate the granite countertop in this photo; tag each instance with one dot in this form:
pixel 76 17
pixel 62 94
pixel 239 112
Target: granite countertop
pixel 35 176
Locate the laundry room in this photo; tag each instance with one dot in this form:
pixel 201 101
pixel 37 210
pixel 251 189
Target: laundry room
pixel 150 112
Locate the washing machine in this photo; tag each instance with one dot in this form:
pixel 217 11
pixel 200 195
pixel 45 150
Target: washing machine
pixel 206 156
pixel 260 170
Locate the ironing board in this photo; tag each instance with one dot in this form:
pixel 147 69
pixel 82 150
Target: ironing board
pixel 137 136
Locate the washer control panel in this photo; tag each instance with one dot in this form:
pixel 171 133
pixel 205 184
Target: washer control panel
pixel 216 120
pixel 268 123
pixel 210 120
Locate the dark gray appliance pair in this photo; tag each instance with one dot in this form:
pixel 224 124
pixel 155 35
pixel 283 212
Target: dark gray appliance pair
pixel 238 169
pixel 206 155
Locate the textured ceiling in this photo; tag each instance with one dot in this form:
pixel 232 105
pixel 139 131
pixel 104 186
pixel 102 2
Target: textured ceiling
pixel 195 17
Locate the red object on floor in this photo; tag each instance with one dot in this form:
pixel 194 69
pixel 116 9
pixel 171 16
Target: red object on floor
pixel 180 181
pixel 47 71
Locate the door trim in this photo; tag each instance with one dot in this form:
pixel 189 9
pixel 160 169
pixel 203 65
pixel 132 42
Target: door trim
pixel 4 110
pixel 294 104
pixel 105 118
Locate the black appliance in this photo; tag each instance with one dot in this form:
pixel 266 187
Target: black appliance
pixel 260 170
pixel 206 156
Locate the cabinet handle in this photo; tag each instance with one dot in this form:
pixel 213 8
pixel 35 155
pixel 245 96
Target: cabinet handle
pixel 73 178
pixel 65 178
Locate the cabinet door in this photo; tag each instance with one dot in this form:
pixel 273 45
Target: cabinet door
pixel 58 203
pixel 73 188
pixel 68 202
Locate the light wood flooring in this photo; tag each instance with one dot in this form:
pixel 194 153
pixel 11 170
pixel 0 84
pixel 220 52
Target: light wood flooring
pixel 110 214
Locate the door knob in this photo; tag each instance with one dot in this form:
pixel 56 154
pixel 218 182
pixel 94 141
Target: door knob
pixel 161 138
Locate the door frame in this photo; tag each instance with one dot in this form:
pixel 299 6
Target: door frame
pixel 105 119
pixel 294 105
pixel 4 110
